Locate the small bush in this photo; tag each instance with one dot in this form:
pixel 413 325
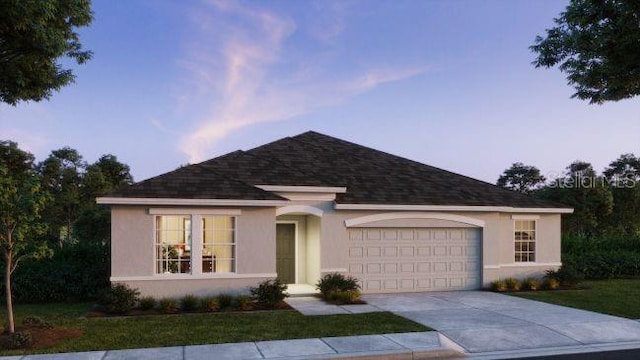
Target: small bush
pixel 499 285
pixel 168 306
pixel 531 284
pixel 512 284
pixel 226 301
pixel 209 304
pixel 336 282
pixel 119 299
pixel 344 297
pixel 550 283
pixel 147 303
pixel 19 340
pixel 269 293
pixel 244 302
pixel 189 302
pixel 37 321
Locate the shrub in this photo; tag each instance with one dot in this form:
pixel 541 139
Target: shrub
pixel 18 340
pixel 244 302
pixel 209 304
pixel 189 302
pixel 269 292
pixel 37 321
pixel 550 283
pixel 336 282
pixel 531 284
pixel 147 303
pixel 226 301
pixel 119 299
pixel 344 297
pixel 512 284
pixel 168 306
pixel 75 272
pixel 499 285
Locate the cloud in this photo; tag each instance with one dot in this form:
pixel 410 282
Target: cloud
pixel 245 68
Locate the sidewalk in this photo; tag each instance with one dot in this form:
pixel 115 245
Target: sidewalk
pixel 420 345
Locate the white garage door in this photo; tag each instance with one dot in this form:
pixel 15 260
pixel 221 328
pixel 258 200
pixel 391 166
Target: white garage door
pixel 420 259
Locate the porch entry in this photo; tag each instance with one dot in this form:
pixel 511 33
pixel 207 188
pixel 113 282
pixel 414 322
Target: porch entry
pixel 298 249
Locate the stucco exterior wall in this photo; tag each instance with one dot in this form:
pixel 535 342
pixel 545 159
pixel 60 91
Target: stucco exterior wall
pixel 132 248
pixel 325 236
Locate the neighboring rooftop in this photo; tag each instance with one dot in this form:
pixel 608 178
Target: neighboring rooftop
pixel 313 159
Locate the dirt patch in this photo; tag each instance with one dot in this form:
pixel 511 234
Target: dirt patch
pixel 42 338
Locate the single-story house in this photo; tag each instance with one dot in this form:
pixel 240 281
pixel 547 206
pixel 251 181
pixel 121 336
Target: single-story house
pixel 311 204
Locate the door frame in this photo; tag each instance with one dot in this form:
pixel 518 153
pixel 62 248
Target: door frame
pixel 295 245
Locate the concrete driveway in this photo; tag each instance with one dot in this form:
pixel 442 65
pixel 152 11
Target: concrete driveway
pixel 487 322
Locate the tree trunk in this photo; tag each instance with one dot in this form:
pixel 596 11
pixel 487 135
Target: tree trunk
pixel 11 327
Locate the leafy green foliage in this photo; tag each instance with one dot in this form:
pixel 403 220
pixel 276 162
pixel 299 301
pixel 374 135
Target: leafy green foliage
pixel 18 340
pixel 512 284
pixel 209 304
pixel 226 301
pixel 119 299
pixel 168 306
pixel 498 285
pixel 189 302
pixel 75 272
pixel 36 321
pixel 34 35
pixel 521 178
pixel 147 303
pixel 344 297
pixel 269 292
pixel 244 302
pixel 597 44
pixel 336 282
pixel 531 284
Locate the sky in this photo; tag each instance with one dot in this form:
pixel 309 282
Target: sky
pixel 448 83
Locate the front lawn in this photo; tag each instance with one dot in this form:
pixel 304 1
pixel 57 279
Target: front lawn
pixel 615 297
pixel 192 329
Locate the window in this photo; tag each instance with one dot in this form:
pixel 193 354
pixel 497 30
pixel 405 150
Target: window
pixel 525 241
pixel 173 244
pixel 218 244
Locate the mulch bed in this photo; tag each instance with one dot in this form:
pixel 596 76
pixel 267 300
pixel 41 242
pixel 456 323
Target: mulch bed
pixel 138 312
pixel 42 337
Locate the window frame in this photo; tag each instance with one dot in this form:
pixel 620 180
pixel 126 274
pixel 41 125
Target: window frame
pixel 196 218
pixel 234 245
pixel 525 253
pixel 187 240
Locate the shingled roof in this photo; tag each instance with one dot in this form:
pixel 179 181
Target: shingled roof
pixel 313 159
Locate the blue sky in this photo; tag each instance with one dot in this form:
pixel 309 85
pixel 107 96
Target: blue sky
pixel 448 83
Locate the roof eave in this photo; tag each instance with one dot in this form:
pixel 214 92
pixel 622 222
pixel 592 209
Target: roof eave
pixel 505 209
pixel 188 202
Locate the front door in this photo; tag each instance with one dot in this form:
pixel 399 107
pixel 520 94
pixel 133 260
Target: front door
pixel 286 252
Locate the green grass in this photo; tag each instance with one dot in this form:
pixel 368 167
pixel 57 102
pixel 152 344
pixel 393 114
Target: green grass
pixel 620 297
pixel 192 329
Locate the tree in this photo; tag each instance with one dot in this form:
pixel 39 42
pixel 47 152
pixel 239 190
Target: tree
pixel 597 43
pixel 34 35
pixel 521 178
pixel 587 193
pixel 62 174
pixel 103 176
pixel 623 176
pixel 21 204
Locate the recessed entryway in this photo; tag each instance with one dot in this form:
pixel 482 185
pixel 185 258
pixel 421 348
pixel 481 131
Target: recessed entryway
pixel 298 249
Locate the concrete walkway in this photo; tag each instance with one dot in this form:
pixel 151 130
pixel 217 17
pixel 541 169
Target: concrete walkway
pixel 397 346
pixel 484 322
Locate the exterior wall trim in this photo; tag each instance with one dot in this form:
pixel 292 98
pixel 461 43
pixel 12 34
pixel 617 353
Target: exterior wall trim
pixel 332 270
pixel 505 209
pixel 413 215
pixel 515 265
pixel 306 209
pixel 303 189
pixel 188 202
pixel 525 217
pixel 190 211
pixel 163 277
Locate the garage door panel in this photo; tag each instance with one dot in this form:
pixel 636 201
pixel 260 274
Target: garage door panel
pixel 402 259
